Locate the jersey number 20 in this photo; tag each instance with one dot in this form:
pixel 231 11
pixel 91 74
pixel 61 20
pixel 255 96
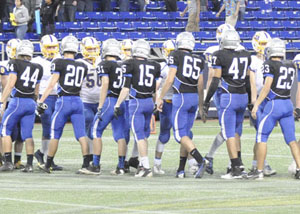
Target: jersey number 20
pixel 74 76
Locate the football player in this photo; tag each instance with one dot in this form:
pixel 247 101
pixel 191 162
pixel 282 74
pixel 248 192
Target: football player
pixel 23 83
pixel 69 75
pixel 185 74
pixel 279 75
pixel 141 76
pixel 90 90
pixel 50 50
pixel 231 67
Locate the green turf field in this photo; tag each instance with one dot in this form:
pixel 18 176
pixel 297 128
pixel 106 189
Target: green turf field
pixel 67 192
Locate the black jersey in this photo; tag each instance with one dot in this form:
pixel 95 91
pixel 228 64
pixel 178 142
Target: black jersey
pixel 71 75
pixel 28 76
pixel 114 72
pixel 283 74
pixel 141 76
pixel 234 65
pixel 189 67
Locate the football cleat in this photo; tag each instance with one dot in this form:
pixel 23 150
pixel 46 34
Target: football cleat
pixel 143 172
pixel 209 168
pixel 297 175
pixel 268 171
pixel 251 172
pixel 193 169
pixel 19 165
pixel 157 170
pixel 1 159
pixel 90 170
pixel 39 157
pixel 202 168
pixel 180 174
pixel 257 175
pixel 28 168
pixel 292 168
pixel 126 167
pixel 134 162
pixel 118 171
pixel 234 173
pixel 55 167
pixel 7 167
pixel 44 168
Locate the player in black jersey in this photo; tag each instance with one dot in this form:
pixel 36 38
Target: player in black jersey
pixel 112 80
pixel 185 74
pixel 279 76
pixel 69 74
pixel 141 75
pixel 23 85
pixel 231 67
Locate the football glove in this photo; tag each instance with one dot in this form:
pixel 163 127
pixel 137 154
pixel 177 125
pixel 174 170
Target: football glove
pixel 250 107
pixel 117 112
pixel 99 114
pixel 41 108
pixel 205 109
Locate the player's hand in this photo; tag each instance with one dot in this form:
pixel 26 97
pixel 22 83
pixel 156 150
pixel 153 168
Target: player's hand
pixel 217 15
pixel 250 107
pixel 117 111
pixel 159 104
pixel 99 114
pixel 155 109
pixel 297 113
pixel 41 108
pixel 253 112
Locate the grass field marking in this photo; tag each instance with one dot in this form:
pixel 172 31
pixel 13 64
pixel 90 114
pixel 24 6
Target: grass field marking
pixel 82 206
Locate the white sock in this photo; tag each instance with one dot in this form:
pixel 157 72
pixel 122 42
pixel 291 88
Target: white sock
pixel 266 163
pixel 45 145
pixel 18 154
pixel 219 140
pixel 135 151
pixel 254 163
pixel 192 162
pixel 157 162
pixel 145 162
pixel 90 142
pixel 160 146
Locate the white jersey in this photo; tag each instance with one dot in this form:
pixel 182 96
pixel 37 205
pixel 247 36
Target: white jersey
pixel 46 64
pixel 164 74
pixel 257 67
pixel 90 89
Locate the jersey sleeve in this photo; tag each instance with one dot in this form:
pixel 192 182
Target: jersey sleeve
pixel 268 70
pixel 216 62
pixel 55 67
pixel 127 73
pixel 11 67
pixel 103 69
pixel 173 60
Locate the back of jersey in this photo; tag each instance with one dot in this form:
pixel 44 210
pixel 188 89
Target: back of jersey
pixel 144 74
pixel 71 76
pixel 28 76
pixel 283 74
pixel 234 66
pixel 189 67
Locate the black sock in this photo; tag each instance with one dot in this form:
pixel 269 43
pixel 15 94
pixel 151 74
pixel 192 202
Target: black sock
pixel 239 155
pixel 86 161
pixel 235 162
pixel 90 157
pixel 49 162
pixel 195 153
pixel 29 159
pixel 17 158
pixel 182 163
pixel 7 156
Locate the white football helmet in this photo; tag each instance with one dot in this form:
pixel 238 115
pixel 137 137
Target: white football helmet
pixel 296 61
pixel 90 48
pixel 141 48
pixel 11 48
pixel 260 40
pixel 167 47
pixel 221 29
pixel 69 44
pixel 49 46
pixel 185 40
pixel 25 48
pixel 126 46
pixel 275 48
pixel 230 40
pixel 111 47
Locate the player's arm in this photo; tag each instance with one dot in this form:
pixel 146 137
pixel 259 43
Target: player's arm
pixel 214 84
pixel 221 10
pixel 104 89
pixel 51 85
pixel 123 94
pixel 36 91
pixel 252 86
pixel 12 79
pixel 237 9
pixel 198 11
pixel 201 97
pixel 210 76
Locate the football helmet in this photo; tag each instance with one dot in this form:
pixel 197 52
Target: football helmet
pixel 141 48
pixel 90 48
pixel 260 40
pixel 69 44
pixel 11 48
pixel 167 47
pixel 221 29
pixel 296 61
pixel 230 40
pixel 275 48
pixel 25 48
pixel 49 46
pixel 126 46
pixel 185 40
pixel 111 47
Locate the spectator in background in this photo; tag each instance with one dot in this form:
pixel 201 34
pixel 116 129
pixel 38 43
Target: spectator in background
pixel 204 5
pixel 171 5
pixel 105 5
pixel 232 8
pixel 2 14
pixel 60 12
pixel 21 19
pixel 70 10
pixel 216 5
pixel 124 5
pixel 242 10
pixel 48 11
pixel 193 7
pixel 84 5
pixel 9 7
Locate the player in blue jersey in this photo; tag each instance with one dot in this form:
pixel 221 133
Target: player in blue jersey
pixel 23 85
pixel 231 67
pixel 69 75
pixel 185 74
pixel 279 75
pixel 50 50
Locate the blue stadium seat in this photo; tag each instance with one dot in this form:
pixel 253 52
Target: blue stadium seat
pixel 208 26
pixel 112 16
pixel 296 45
pixel 154 36
pixel 243 25
pixel 158 26
pixel 146 16
pixel 252 5
pixel 59 26
pixel 107 26
pixel 288 35
pixel 153 6
pixel 281 5
pixel 90 26
pixel 96 16
pixel 274 34
pixel 212 17
pixel 203 15
pixel 129 16
pixel 81 17
pixel 244 35
pixel 262 15
pixel 176 26
pixel 64 34
pixel 102 36
pixel 247 45
pixel 81 35
pixel 249 15
pixel 141 26
pixel 7 26
pixel 37 47
pixel 33 36
pixel 293 15
pixel 136 35
pixel 289 46
pixel 295 5
pixel 204 35
pixel 201 46
pixel 72 26
pixel 163 16
pixel 125 26
pixel 278 15
pixel 120 35
pixel 290 25
pixel 176 16
pixel 170 35
pixel 181 5
pixel 274 25
pixel 264 6
pixel 2 37
pixel 258 25
pixel 156 45
pixel 251 33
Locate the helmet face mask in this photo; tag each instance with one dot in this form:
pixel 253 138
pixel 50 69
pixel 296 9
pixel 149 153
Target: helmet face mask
pixel 69 44
pixel 275 48
pixel 141 48
pixel 230 40
pixel 90 48
pixel 25 48
pixel 49 46
pixel 167 47
pixel 259 41
pixel 111 47
pixel 185 40
pixel 11 48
